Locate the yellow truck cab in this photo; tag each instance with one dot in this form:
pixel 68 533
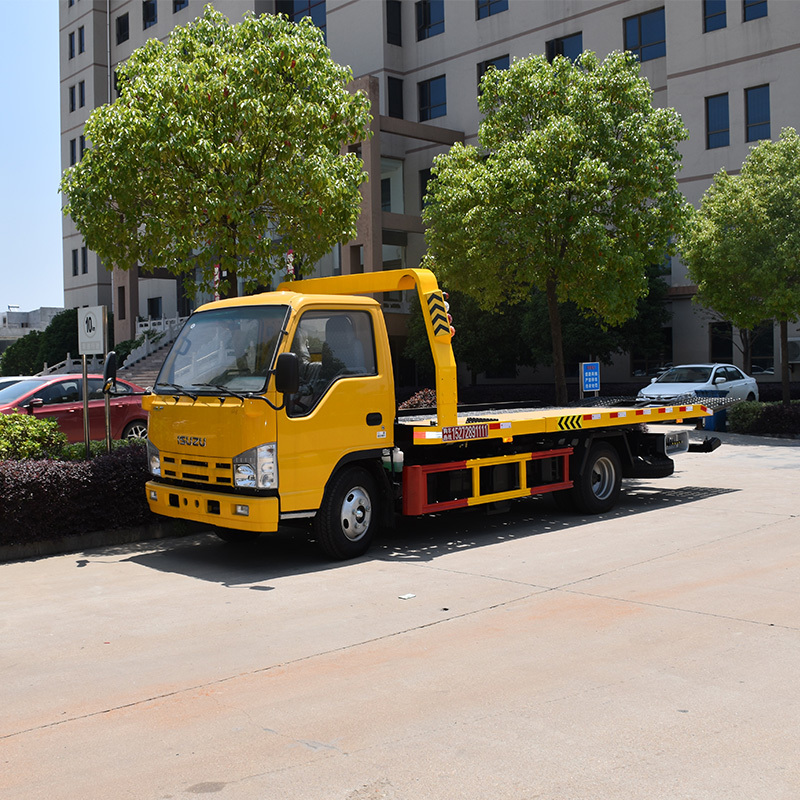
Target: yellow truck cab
pixel 281 406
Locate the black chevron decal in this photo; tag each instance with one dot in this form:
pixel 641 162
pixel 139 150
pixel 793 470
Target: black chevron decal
pixel 572 423
pixel 438 314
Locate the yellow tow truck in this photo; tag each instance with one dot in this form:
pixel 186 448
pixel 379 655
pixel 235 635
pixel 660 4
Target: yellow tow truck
pixel 281 406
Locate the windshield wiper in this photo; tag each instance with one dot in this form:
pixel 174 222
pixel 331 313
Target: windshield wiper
pixel 181 390
pixel 223 390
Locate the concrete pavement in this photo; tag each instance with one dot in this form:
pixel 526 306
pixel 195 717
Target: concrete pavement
pixel 648 653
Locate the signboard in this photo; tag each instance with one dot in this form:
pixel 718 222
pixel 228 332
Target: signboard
pixel 460 433
pixel 92 331
pixel 590 376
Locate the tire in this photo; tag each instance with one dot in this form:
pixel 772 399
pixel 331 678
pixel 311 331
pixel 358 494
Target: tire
pixel 236 538
pixel 135 430
pixel 597 488
pixel 349 515
pixel 751 397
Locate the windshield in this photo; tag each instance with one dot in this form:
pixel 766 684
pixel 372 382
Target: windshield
pixel 224 349
pixel 13 392
pixel 686 375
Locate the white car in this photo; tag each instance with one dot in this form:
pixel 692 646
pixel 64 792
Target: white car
pixel 688 379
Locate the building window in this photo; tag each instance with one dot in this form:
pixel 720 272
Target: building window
pixel 718 132
pixel 120 309
pixel 179 5
pixel 756 109
pixel 386 194
pixel 645 35
pixel 71 44
pixel 71 98
pixel 81 146
pixel 424 177
pixel 82 93
pixel 568 46
pixel 123 31
pixel 394 96
pixel 394 29
pixel 486 8
pixel 297 9
pixel 74 263
pixel 149 14
pixel 81 39
pixel 714 15
pixel 754 9
pixel 432 98
pixel 430 18
pixel 84 260
pixel 501 62
pixel 73 151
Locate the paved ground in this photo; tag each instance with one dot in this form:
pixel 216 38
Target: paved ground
pixel 649 653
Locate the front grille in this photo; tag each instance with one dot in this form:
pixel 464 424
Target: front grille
pixel 197 470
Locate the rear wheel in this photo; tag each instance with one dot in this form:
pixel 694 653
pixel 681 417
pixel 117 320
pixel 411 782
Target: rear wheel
pixel 135 430
pixel 597 488
pixel 348 517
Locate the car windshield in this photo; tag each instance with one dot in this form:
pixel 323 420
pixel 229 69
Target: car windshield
pixel 224 349
pixel 686 375
pixel 10 394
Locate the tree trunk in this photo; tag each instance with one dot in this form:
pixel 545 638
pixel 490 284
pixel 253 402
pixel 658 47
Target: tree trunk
pixel 786 394
pixel 554 312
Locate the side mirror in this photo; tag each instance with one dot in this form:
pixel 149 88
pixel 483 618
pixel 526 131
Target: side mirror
pixel 110 373
pixel 720 379
pixel 653 380
pixel 34 402
pixel 287 373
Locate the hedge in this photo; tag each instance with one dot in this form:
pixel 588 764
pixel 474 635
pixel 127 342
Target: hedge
pixel 765 418
pixel 41 500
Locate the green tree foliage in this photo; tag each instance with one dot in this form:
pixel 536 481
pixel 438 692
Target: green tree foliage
pixel 224 148
pixel 59 338
pixel 22 357
pixel 572 191
pixel 743 246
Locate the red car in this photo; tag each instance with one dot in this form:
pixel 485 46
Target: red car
pixel 61 397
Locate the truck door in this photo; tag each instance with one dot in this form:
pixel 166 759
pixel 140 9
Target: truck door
pixel 345 404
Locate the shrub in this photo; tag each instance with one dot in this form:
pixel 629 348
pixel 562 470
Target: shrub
pixel 25 436
pixel 425 398
pixel 765 418
pixel 42 500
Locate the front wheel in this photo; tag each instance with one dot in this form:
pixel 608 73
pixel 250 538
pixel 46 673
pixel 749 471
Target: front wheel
pixel 597 488
pixel 135 430
pixel 348 517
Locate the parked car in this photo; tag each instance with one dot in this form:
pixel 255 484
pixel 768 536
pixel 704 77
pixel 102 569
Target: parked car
pixel 688 379
pixel 61 397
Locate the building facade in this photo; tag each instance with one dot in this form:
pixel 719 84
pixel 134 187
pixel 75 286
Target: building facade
pixel 727 66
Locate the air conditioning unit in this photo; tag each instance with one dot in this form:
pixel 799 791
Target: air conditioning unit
pixel 794 351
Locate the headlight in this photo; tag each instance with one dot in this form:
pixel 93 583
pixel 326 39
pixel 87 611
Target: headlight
pixel 257 468
pixel 153 459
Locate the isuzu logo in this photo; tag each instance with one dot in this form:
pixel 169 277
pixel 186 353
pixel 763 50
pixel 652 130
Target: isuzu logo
pixel 192 441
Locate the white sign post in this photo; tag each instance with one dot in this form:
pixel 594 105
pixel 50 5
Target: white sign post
pixel 92 340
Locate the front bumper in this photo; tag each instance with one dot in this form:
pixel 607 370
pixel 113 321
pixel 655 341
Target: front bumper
pixel 214 508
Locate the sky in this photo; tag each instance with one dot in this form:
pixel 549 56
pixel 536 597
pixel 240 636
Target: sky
pixel 30 169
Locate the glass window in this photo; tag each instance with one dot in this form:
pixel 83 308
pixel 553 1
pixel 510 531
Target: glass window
pixel 149 14
pixel 123 30
pixel 754 9
pixel 82 146
pixel 714 15
pixel 68 391
pixel 74 263
pixel 71 98
pixel 330 345
pixel 501 62
pixel 424 177
pixel 432 98
pixel 82 93
pixel 717 125
pixel 486 8
pixel 73 151
pixel 757 113
pixel 71 44
pixel 394 92
pixel 81 39
pixel 297 9
pixel 84 260
pixel 568 46
pixel 394 30
pixel 178 5
pixel 645 35
pixel 430 18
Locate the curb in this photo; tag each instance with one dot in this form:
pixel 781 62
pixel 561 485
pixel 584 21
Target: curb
pixel 87 541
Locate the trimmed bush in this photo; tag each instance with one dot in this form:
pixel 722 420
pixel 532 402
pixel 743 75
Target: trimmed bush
pixel 26 436
pixel 42 500
pixel 765 418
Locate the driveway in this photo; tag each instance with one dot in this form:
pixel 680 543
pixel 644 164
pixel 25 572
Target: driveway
pixel 648 653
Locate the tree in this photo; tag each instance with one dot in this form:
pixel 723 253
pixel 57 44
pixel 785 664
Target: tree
pixel 223 152
pixel 22 357
pixel 743 245
pixel 572 191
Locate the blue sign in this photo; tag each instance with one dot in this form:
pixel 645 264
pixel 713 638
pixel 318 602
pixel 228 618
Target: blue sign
pixel 590 376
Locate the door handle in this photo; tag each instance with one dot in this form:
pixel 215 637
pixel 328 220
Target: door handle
pixel 374 418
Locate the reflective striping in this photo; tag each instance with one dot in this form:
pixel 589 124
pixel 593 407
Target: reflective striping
pixel 438 314
pixel 571 423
